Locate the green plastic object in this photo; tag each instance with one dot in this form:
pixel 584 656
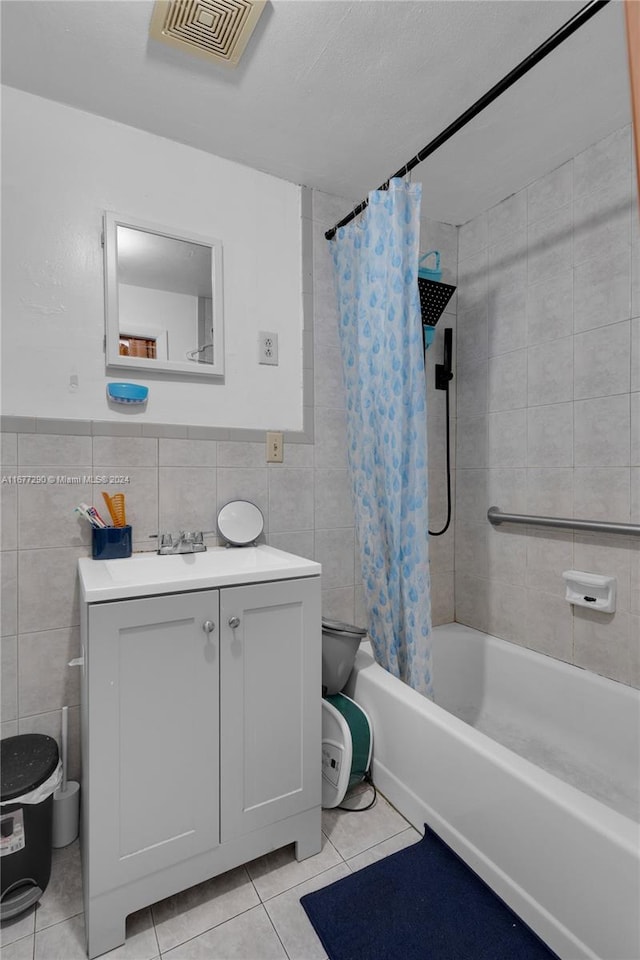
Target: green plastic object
pixel 360 736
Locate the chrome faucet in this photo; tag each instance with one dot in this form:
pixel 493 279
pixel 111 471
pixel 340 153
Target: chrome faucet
pixel 183 542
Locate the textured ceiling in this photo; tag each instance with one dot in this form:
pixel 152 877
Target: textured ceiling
pixel 338 95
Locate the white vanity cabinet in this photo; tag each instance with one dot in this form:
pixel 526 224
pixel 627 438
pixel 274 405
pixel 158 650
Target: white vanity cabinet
pixel 201 715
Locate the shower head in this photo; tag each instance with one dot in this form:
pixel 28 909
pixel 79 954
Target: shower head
pixel 434 297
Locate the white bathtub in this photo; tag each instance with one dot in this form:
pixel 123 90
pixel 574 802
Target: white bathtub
pixel 554 849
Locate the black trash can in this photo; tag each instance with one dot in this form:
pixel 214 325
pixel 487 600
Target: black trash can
pixel 28 760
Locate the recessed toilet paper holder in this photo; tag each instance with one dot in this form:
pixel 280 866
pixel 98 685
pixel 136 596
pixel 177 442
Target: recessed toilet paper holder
pixel 590 590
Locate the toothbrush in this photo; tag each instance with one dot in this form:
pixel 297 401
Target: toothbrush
pixel 93 515
pixel 96 516
pixel 84 511
pixel 85 516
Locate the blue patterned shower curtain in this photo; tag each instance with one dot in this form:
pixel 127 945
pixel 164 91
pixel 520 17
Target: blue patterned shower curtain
pixel 376 269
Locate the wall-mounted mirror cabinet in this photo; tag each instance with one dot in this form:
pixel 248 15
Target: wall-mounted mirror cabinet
pixel 164 302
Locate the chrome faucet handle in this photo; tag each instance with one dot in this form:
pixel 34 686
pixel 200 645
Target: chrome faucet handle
pixel 166 543
pixel 192 540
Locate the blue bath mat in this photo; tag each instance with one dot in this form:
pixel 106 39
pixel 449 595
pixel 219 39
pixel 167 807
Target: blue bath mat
pixel 422 903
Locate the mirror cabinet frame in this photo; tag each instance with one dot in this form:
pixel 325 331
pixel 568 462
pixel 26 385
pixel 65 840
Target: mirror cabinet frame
pixel 180 368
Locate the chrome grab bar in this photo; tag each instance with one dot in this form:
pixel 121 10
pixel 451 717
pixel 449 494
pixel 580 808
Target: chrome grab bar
pixel 496 517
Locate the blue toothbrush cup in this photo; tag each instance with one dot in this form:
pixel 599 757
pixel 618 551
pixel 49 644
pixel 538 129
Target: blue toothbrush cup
pixel 110 543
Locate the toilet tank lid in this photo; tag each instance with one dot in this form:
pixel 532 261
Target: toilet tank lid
pixel 340 629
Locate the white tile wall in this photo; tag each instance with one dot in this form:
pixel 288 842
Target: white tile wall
pixel 550 435
pixel 507 217
pixel 508 381
pixel 549 245
pixel 601 361
pixel 602 290
pixel 550 308
pixel 471 398
pixel 549 375
pixel 550 192
pixel 602 432
pixel 508 438
pixel 563 432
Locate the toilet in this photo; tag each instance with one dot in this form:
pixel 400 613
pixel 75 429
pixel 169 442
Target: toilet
pixel 346 729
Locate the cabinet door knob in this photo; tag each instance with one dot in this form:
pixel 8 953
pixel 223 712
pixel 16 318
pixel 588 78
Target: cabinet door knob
pixel 208 626
pixel 234 622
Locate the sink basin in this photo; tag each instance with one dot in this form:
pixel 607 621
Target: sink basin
pixel 149 574
pixel 181 565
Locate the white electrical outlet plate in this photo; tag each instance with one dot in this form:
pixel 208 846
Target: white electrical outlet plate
pixel 268 348
pixel 275 447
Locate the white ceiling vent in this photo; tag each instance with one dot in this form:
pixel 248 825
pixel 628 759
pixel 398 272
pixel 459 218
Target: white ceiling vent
pixel 217 29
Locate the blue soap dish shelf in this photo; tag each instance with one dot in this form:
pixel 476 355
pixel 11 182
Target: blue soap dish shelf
pixel 127 392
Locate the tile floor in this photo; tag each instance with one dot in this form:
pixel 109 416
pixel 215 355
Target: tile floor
pixel 250 913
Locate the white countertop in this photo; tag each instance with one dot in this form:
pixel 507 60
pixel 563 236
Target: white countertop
pixel 149 574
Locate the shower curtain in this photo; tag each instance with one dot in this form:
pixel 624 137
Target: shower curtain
pixel 376 269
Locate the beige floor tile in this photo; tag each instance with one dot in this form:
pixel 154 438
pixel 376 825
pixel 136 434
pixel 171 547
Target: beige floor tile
pixel 19 949
pixel 62 941
pixel 247 937
pixel 18 929
pixel 279 871
pixel 192 912
pixel 63 897
pixel 352 833
pixel 291 922
pixel 381 850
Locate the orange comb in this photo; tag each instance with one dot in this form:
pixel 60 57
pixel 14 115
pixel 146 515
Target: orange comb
pixel 116 508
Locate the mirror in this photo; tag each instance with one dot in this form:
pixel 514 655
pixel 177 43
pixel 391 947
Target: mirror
pixel 163 299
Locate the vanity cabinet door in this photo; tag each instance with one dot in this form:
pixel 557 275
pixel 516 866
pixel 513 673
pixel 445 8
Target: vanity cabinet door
pixel 270 703
pixel 153 734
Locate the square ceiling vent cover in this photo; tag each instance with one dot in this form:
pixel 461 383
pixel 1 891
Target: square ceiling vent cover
pixel 217 29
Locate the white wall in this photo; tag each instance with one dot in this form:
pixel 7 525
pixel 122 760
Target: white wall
pixel 61 169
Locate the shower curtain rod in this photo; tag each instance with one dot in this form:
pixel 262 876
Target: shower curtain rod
pixel 538 54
